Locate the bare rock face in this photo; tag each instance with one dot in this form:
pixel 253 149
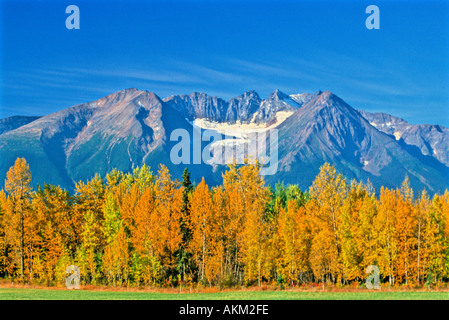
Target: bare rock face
pixel 326 129
pixel 431 140
pixel 243 107
pixel 14 122
pixel 303 98
pixel 276 102
pixel 199 105
pixel 246 108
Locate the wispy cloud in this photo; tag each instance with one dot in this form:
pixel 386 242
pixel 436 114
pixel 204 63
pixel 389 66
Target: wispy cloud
pixel 363 84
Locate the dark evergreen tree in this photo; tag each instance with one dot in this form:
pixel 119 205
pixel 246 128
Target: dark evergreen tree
pixel 184 261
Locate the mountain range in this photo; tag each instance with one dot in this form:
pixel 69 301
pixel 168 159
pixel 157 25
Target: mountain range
pixel 14 122
pixel 132 127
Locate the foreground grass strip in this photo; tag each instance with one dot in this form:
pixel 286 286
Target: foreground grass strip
pixel 49 294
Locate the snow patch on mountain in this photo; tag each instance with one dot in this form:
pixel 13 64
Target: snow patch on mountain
pixel 240 128
pixel 302 98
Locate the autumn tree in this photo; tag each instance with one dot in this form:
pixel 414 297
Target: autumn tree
pixel 165 220
pixel 294 242
pixel 4 202
pixel 89 201
pixel 147 266
pixel 385 230
pixel 135 228
pixel 54 239
pixel 406 240
pixel 221 263
pixel 87 253
pixel 421 214
pixel 248 196
pixel 437 243
pixel 235 206
pixel 18 186
pixel 116 253
pixel 327 195
pixel 201 225
pixel 357 231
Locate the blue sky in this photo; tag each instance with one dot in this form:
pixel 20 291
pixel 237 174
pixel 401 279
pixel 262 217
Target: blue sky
pixel 225 48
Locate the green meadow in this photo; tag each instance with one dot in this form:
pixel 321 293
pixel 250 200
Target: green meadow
pixel 52 294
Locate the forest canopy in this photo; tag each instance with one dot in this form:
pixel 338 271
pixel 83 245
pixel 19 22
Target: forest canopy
pixel 149 229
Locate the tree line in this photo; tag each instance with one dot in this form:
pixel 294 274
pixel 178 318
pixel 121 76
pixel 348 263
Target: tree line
pixel 146 229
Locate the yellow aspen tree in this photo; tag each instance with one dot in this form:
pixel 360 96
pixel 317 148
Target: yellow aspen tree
pixel 108 265
pixel 65 259
pixel 350 223
pixel 256 227
pixel 255 241
pixel 405 232
pixel 445 209
pixel 235 205
pixel 385 230
pixel 127 204
pixel 222 252
pixel 88 250
pixel 272 262
pixel 218 244
pixel 405 240
pixel 420 216
pixel 62 205
pixel 357 231
pixel 116 250
pixel 294 240
pixel 212 270
pixel 112 218
pixel 166 219
pixel 365 233
pixel 3 247
pixel 90 197
pixel 201 226
pixel 18 186
pixel 328 192
pixel 121 257
pixel 247 199
pixel 322 253
pixel 436 244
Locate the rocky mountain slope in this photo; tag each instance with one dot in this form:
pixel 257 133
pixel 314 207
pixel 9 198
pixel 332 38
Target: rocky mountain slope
pixel 14 122
pixel 327 129
pixel 431 140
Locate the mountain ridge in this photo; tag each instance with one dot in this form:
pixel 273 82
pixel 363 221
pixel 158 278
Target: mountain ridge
pixel 327 129
pixel 430 139
pixel 132 127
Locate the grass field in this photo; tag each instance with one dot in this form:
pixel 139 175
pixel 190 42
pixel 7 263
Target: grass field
pixel 55 294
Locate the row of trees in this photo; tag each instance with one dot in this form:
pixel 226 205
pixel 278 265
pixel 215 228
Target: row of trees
pixel 143 229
